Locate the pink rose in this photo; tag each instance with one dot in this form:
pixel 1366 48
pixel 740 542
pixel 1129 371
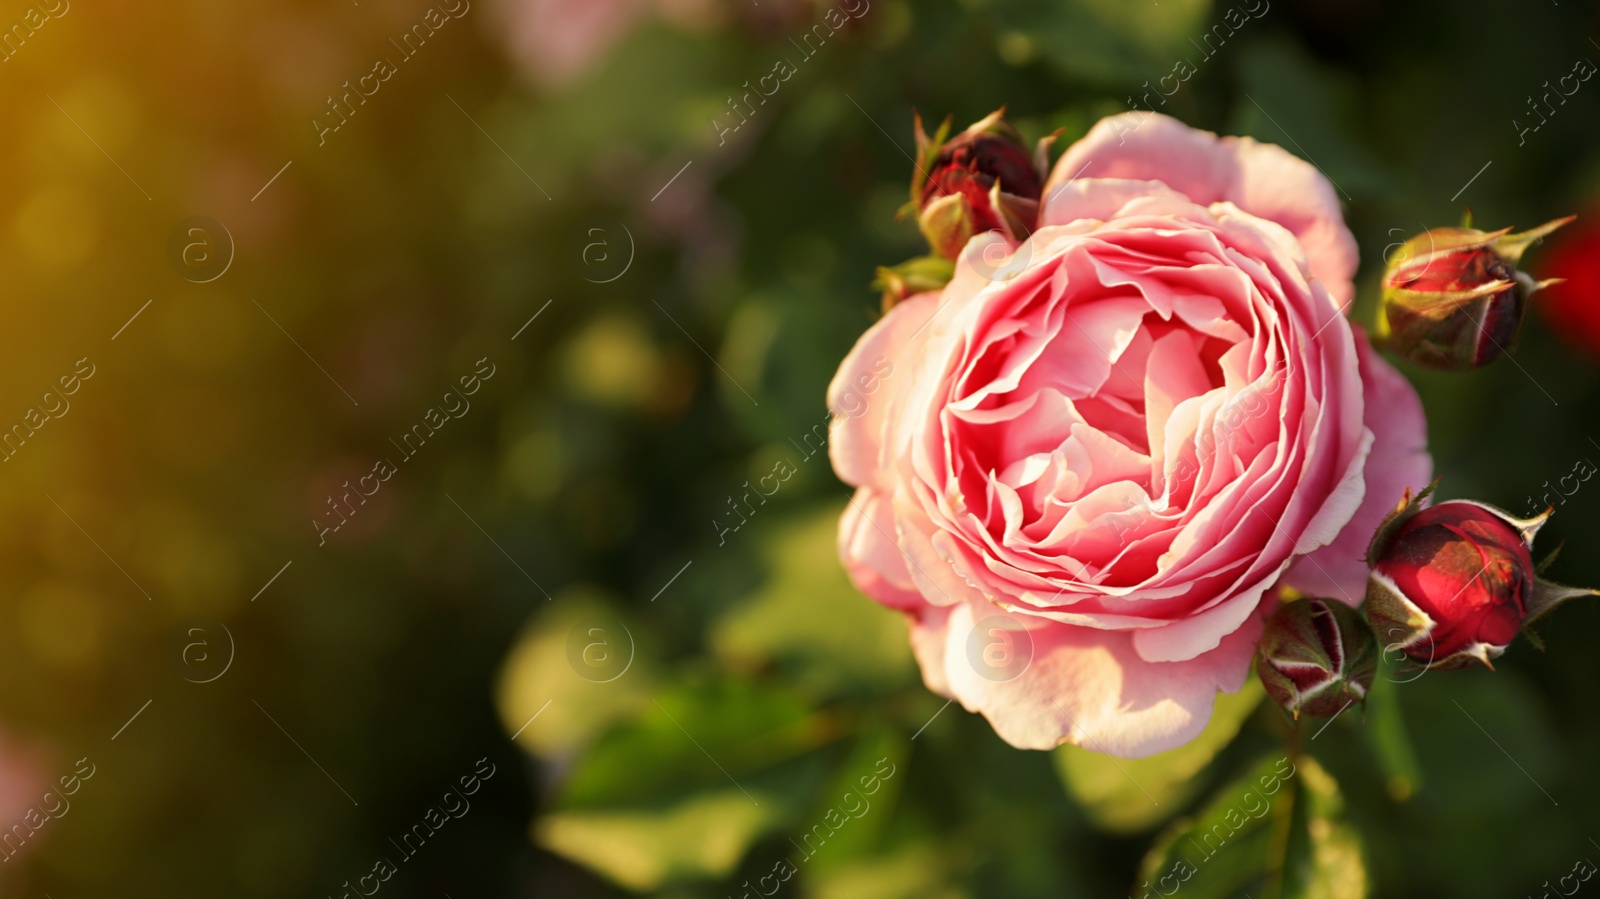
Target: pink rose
pixel 560 41
pixel 22 783
pixel 1084 464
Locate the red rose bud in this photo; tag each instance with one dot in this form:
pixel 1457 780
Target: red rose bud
pixel 1453 298
pixel 1316 656
pixel 1572 304
pixel 1453 584
pixel 983 179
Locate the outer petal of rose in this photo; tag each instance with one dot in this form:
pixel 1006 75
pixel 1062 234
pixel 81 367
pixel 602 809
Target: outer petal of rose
pixel 1088 687
pixel 1197 634
pixel 860 418
pixel 867 547
pixel 1399 459
pixel 1262 179
pixel 930 629
pixel 1098 198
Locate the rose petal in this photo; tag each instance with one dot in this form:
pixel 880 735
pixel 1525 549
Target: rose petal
pixel 1263 179
pixel 860 413
pixel 871 557
pixel 1399 459
pixel 1090 688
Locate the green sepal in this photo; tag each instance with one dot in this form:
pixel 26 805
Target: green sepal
pixel 1547 595
pixel 927 151
pixel 1409 505
pixel 1547 561
pixel 914 276
pixel 1510 247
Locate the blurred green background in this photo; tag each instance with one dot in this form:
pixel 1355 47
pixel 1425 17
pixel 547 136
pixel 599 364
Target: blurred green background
pixel 661 301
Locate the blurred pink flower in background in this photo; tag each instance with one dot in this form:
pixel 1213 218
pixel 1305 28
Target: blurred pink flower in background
pixel 560 41
pixel 21 783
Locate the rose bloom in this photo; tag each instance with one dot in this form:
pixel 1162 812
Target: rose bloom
pixel 1095 452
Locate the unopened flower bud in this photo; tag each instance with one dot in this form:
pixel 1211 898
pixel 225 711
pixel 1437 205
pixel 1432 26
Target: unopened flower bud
pixel 1453 297
pixel 1453 584
pixel 1316 657
pixel 983 179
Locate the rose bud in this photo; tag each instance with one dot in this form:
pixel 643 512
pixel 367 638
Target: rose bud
pixel 1453 298
pixel 983 179
pixel 1572 262
pixel 1316 656
pixel 1454 583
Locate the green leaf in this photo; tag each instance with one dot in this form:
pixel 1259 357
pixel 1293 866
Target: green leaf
pixel 679 788
pixel 545 674
pixel 1106 40
pixel 1325 857
pixel 920 870
pixel 1386 729
pixel 702 836
pixel 809 620
pixel 1485 740
pixel 696 736
pixel 1131 795
pixel 1227 848
pixel 681 792
pixel 639 804
pixel 869 812
pixel 1279 831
